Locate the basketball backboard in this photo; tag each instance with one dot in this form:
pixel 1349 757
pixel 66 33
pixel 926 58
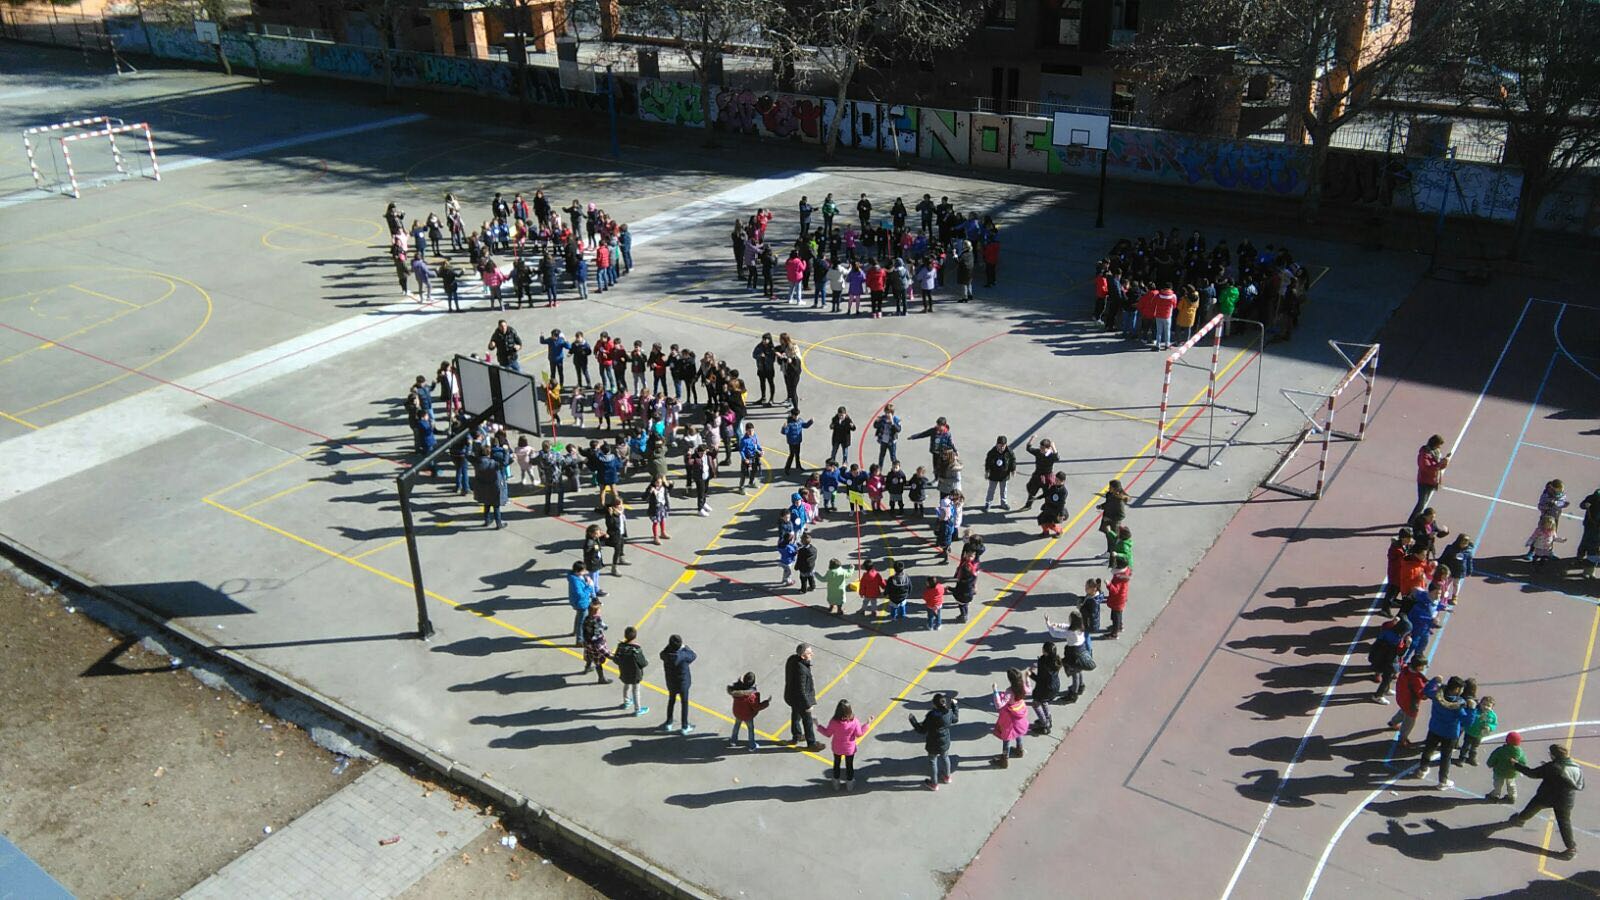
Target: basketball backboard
pixel 1082 130
pixel 485 384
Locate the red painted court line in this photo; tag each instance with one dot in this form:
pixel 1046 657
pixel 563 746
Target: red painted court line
pixel 1017 598
pixel 201 394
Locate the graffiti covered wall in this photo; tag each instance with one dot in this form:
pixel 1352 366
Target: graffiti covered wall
pixel 670 103
pixel 939 135
pixel 1194 160
pixel 943 136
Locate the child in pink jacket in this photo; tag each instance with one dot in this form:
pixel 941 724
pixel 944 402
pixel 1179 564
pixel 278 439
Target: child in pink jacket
pixel 845 730
pixel 1012 722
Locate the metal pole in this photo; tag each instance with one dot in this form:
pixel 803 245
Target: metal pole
pixel 424 624
pixel 255 47
pixel 1100 210
pixel 1444 201
pixel 611 111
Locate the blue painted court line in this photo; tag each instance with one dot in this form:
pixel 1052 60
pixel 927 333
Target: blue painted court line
pixel 22 879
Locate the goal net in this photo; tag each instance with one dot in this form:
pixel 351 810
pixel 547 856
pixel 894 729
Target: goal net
pixel 1173 442
pixel 1328 417
pixel 84 153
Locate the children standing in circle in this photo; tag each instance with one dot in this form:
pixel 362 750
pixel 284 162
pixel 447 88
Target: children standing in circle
pixel 631 663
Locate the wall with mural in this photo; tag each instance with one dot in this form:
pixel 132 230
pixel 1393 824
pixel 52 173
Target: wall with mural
pixel 945 136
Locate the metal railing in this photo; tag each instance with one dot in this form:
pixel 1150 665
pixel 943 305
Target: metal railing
pixel 1125 117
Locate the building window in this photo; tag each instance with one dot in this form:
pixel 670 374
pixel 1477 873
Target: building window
pixel 1380 13
pixel 1071 23
pixel 1001 13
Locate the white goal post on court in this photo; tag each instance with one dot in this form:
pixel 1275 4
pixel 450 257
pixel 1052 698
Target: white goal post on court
pixel 1175 360
pixel 1363 368
pixel 101 126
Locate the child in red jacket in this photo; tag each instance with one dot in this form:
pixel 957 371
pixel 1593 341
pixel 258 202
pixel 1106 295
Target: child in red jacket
pixel 747 703
pixel 870 586
pixel 1408 699
pixel 1398 548
pixel 1117 594
pixel 933 598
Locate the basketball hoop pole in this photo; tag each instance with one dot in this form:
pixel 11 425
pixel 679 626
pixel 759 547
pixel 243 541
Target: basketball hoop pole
pixel 403 482
pixel 1100 209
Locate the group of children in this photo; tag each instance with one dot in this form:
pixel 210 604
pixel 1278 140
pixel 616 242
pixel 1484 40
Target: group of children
pixel 843 261
pixel 1152 288
pixel 535 235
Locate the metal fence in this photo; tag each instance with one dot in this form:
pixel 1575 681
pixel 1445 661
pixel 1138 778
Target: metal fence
pixel 1124 117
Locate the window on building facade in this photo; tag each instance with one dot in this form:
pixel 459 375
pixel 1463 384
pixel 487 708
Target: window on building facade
pixel 1071 23
pixel 1380 13
pixel 1001 13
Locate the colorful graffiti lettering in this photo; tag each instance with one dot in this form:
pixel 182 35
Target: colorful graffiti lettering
pixel 943 136
pixel 1192 160
pixel 344 61
pixel 670 103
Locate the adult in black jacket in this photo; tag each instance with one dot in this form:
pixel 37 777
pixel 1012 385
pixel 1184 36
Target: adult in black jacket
pixel 800 692
pixel 935 729
pixel 766 356
pixel 675 661
pixel 999 464
pixel 1560 780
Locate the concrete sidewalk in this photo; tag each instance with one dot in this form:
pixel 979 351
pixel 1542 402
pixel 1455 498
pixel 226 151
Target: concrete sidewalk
pixel 373 839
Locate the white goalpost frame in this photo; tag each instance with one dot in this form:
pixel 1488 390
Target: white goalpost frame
pixel 1364 368
pixel 1214 329
pixel 27 145
pixel 110 133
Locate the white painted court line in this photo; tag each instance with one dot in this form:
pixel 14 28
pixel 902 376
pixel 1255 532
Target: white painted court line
pixel 1300 748
pixel 1562 345
pixel 297 140
pixel 86 441
pixel 1560 450
pixel 1327 851
pixel 1266 814
pixel 1528 506
pixel 192 162
pixel 1473 413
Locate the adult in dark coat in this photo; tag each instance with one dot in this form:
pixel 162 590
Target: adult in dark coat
pixel 800 692
pixel 1560 780
pixel 489 483
pixel 675 661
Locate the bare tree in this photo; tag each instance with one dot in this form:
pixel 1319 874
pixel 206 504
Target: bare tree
pixel 1535 63
pixel 1337 57
pixel 840 39
pixel 703 30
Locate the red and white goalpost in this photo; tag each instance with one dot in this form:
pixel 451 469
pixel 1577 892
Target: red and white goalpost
pixel 100 127
pixel 1170 412
pixel 1328 405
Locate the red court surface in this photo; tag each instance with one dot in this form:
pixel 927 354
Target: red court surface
pixel 1236 752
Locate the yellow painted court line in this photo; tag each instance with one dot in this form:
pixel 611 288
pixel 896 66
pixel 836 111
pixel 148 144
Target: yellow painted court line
pixel 23 422
pixel 377 461
pixel 293 458
pixel 520 632
pixel 172 288
pixel 134 370
pixel 55 234
pixel 276 224
pixel 26 294
pixel 381 547
pixel 102 295
pixel 983 610
pixel 846 670
pixel 943 373
pixel 1572 730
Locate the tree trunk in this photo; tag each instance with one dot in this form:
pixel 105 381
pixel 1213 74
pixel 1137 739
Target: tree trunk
pixel 388 75
pixel 705 102
pixel 1534 188
pixel 1316 160
pixel 831 145
pixel 222 56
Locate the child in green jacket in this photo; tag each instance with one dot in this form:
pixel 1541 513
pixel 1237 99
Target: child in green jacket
pixel 1504 761
pixel 837 578
pixel 1483 724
